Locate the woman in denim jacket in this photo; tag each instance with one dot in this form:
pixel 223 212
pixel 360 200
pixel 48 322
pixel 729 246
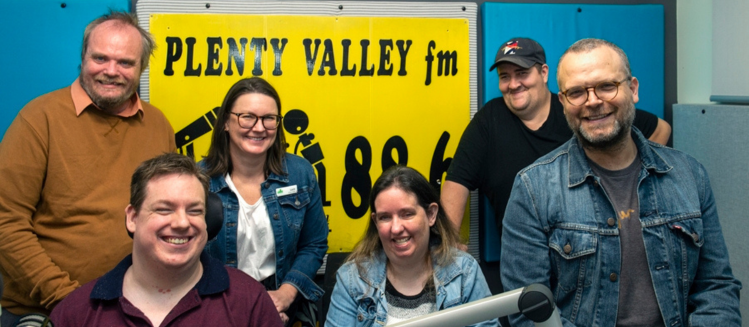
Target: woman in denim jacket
pixel 274 227
pixel 407 264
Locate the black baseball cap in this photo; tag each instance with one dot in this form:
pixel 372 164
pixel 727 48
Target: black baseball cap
pixel 520 51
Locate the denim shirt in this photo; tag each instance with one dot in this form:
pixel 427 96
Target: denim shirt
pixel 300 228
pixel 560 230
pixel 359 300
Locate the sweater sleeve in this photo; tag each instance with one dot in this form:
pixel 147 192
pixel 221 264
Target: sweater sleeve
pixel 23 261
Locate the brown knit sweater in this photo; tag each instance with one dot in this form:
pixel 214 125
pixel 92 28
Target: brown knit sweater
pixel 64 185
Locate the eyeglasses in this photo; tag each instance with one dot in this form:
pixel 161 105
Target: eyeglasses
pixel 606 91
pixel 270 122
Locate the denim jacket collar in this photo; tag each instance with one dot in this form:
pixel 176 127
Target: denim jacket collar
pixel 376 272
pixel 219 182
pixel 283 179
pixel 579 169
pixel 445 274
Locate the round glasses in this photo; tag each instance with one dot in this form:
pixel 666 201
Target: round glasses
pixel 248 120
pixel 606 91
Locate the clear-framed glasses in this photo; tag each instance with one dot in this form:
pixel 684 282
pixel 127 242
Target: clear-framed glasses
pixel 606 91
pixel 248 120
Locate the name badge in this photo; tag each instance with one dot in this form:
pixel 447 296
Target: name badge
pixel 288 190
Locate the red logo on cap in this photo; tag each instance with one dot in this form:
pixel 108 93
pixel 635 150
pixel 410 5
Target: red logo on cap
pixel 510 46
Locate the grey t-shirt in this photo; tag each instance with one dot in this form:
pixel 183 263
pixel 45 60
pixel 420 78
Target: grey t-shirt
pixel 638 305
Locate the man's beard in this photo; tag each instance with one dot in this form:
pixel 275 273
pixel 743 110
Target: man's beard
pixel 621 130
pixel 108 104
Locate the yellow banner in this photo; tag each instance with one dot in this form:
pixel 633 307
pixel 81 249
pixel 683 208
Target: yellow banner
pixel 358 94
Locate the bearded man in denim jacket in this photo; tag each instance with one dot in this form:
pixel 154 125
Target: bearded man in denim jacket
pixel 624 231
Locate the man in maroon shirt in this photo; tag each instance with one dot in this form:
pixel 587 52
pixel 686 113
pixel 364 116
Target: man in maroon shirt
pixel 167 280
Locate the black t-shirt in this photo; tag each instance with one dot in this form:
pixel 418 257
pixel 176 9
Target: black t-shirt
pixel 496 145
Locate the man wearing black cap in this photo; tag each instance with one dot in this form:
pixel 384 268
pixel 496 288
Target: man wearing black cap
pixel 511 132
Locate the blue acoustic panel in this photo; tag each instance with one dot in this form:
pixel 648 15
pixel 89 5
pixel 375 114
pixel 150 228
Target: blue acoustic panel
pixel 637 29
pixel 42 47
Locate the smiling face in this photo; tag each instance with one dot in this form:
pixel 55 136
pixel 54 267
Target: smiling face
pixel 169 230
pixel 253 141
pixel 403 226
pixel 598 124
pixel 522 88
pixel 111 66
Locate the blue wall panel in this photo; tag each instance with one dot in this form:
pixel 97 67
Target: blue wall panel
pixel 637 29
pixel 41 47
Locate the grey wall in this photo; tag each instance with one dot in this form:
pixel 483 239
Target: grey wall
pixel 716 135
pixel 730 45
pixel 694 22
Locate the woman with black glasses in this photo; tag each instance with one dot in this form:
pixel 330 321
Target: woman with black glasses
pixel 274 229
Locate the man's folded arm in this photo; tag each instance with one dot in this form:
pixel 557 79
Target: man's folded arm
pixel 22 258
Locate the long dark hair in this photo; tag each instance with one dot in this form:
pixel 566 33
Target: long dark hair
pixel 218 160
pixel 443 238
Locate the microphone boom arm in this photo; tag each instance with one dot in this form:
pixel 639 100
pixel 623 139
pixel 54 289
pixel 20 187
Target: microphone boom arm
pixel 535 302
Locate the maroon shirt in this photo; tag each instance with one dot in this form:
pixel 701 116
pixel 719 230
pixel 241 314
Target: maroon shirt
pixel 224 296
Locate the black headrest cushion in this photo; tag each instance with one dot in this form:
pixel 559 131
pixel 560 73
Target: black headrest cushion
pixel 214 214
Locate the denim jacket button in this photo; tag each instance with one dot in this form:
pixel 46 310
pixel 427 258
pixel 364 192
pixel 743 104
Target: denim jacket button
pixel 275 216
pixel 267 185
pixel 567 248
pixel 280 253
pixel 613 277
pixel 595 183
pixel 611 222
pixel 696 237
pixel 360 317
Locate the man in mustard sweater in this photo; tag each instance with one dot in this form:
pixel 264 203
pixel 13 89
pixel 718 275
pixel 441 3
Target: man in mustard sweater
pixel 65 164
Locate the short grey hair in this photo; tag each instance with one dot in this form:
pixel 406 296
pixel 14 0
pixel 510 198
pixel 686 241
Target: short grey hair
pixel 587 45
